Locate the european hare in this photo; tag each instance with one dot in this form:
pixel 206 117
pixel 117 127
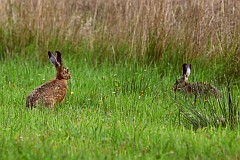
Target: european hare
pixel 54 90
pixel 196 88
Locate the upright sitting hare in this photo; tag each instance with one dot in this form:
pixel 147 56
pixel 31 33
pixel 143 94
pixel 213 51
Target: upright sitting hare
pixel 54 90
pixel 196 88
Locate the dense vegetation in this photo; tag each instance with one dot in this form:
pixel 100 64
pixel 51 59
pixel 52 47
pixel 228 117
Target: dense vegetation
pixel 124 57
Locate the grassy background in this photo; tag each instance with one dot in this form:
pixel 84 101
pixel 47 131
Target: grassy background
pixel 124 57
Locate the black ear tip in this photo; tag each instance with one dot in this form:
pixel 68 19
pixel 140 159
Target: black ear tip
pixel 58 53
pixel 49 53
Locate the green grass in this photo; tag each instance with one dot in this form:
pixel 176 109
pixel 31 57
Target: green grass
pixel 110 112
pixel 124 57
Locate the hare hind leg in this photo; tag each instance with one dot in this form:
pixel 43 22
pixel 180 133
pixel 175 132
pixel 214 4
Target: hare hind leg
pixel 49 103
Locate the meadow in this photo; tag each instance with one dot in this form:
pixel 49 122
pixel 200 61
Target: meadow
pixel 124 57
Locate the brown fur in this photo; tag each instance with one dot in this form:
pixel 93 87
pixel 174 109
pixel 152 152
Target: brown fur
pixel 199 88
pixel 196 88
pixel 53 91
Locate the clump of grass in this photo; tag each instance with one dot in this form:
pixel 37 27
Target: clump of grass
pixel 211 112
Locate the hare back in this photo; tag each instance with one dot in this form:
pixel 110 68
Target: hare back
pixel 48 93
pixel 200 88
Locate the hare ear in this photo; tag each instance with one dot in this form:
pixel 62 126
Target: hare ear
pixel 53 59
pixel 184 69
pixel 59 57
pixel 188 71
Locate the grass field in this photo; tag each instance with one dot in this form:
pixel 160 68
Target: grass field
pixel 122 111
pixel 124 56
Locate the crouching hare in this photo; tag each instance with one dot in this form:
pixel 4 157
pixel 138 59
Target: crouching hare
pixel 53 91
pixel 195 88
